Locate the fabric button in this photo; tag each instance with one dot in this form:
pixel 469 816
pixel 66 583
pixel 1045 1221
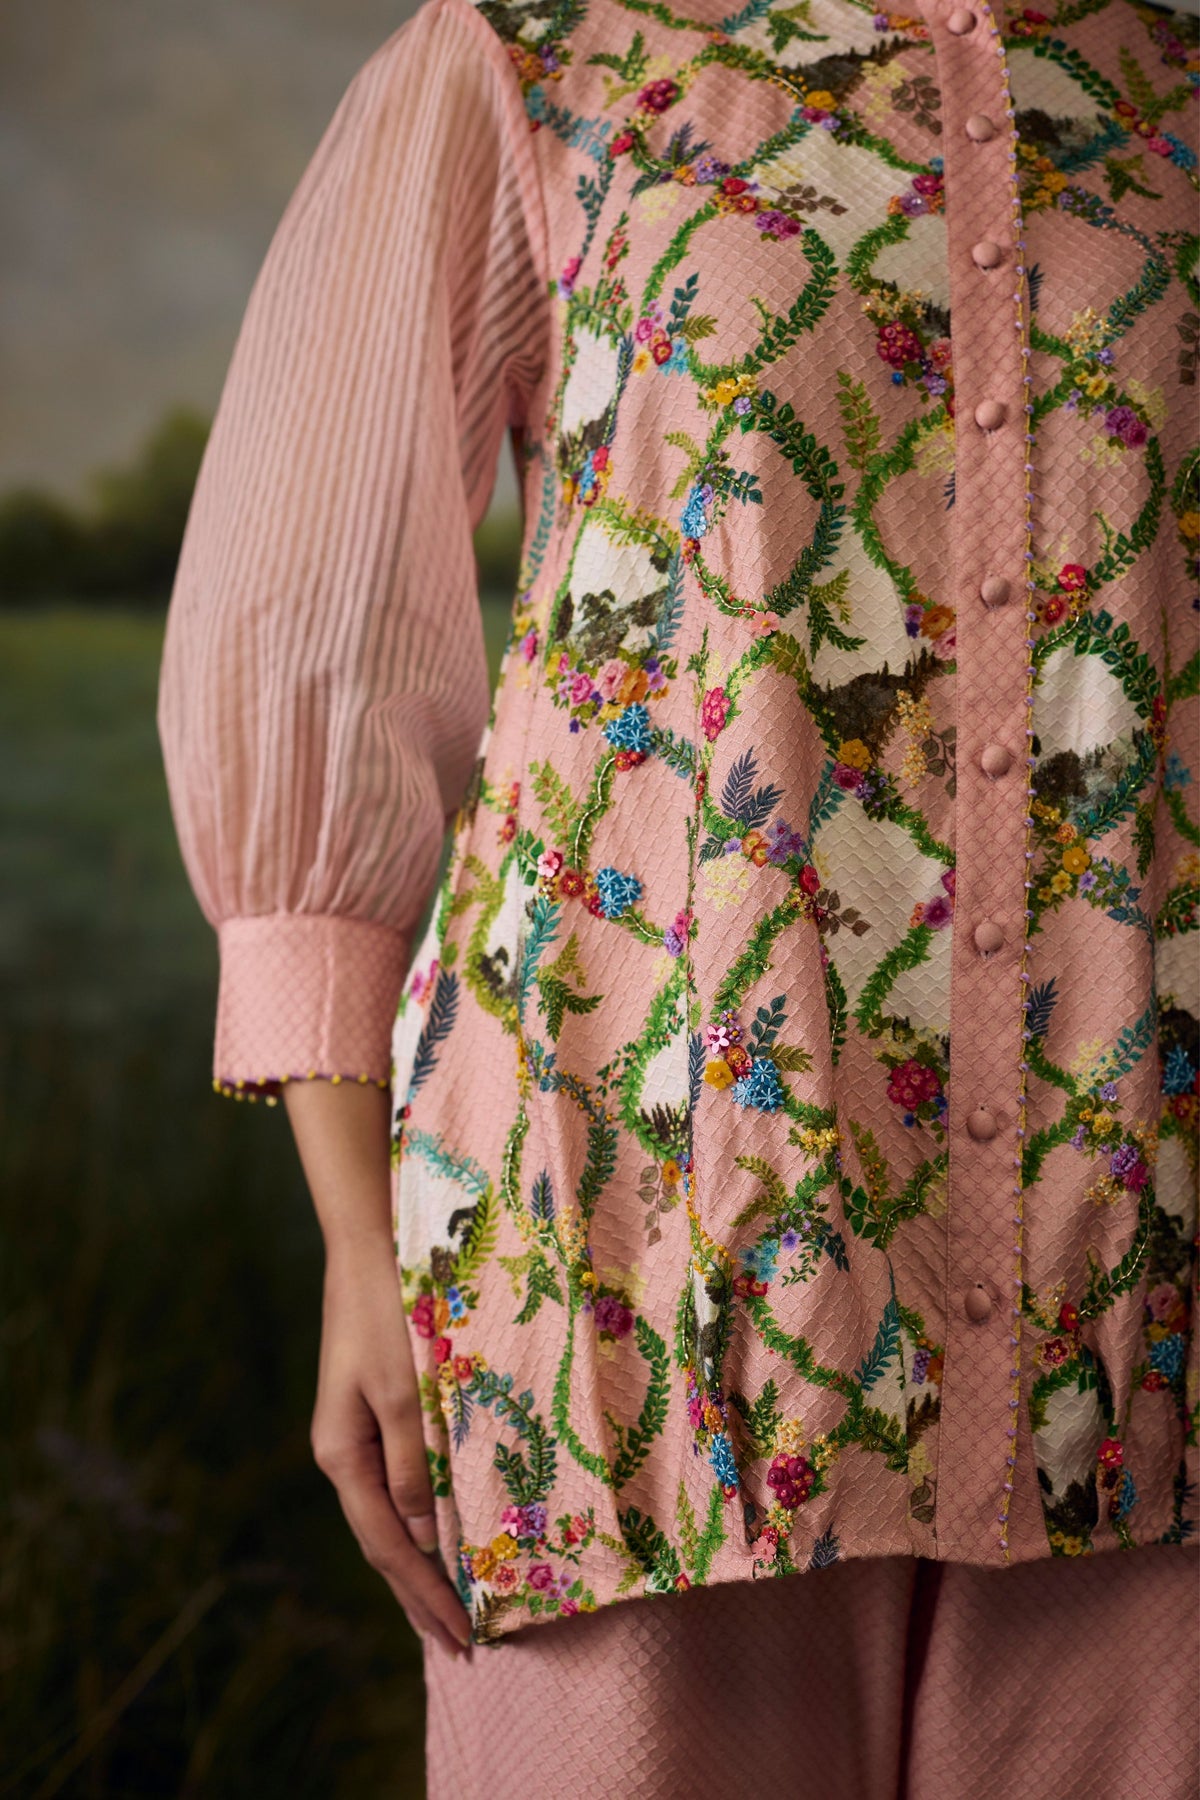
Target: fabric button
pixel 995 760
pixel 977 1304
pixel 961 20
pixel 988 936
pixel 990 413
pixel 995 590
pixel 979 128
pixel 981 1124
pixel 986 254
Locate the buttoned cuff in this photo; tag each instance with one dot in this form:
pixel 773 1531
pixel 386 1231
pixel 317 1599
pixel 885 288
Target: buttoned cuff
pixel 304 997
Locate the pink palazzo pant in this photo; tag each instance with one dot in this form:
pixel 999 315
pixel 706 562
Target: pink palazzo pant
pixel 1062 1679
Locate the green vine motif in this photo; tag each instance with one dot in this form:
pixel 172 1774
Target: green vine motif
pixel 494 990
pixel 633 1442
pixel 1104 1286
pixel 699 1547
pixel 1097 634
pixel 912 950
pixel 778 331
pixel 1076 66
pixel 878 471
pixel 876 1217
pixel 754 960
pixel 525 1481
pixel 663 1132
pixel 800 1354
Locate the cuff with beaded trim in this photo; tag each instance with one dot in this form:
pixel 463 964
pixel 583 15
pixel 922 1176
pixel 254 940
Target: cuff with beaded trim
pixel 305 997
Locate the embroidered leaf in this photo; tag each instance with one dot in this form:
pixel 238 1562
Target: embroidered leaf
pixel 740 801
pixel 439 1022
pixel 767 1021
pixel 884 1349
pixel 826 1551
pixel 696 1061
pixel 683 296
pixel 459 1408
pixel 543 1284
pixel 699 325
pixel 543 927
pixel 791 1058
pixel 671 609
pixel 834 1246
pixel 1042 999
pixel 825 801
pixel 859 423
pixel 762 1417
pixel 541 1199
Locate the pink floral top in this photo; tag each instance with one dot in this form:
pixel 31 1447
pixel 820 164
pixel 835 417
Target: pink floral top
pixel 795 1089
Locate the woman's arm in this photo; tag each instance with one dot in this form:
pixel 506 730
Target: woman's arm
pixel 366 1428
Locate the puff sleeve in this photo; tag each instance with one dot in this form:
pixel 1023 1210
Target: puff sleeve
pixel 323 686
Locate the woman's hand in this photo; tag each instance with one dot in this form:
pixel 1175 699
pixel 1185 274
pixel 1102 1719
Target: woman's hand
pixel 366 1429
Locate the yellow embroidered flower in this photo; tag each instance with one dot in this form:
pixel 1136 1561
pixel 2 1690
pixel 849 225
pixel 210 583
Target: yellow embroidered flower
pixel 718 1074
pixel 1044 810
pixel 441 1312
pixel 671 1171
pixel 588 1278
pixel 1074 1546
pixel 483 1562
pixel 854 753
pixel 1075 859
pixel 642 361
pixel 1087 1112
pixel 1060 882
pixel 1103 1123
pixel 505 1547
pixel 789 1437
pixel 1094 385
pixel 1054 181
pixel 823 98
pixel 712 1417
pixel 936 619
pixel 1189 524
pixel 724 392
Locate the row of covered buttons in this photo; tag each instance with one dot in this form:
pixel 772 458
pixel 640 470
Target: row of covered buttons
pixel 994 591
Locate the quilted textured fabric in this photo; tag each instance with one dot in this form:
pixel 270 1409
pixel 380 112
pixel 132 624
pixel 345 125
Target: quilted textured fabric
pixel 795 1089
pixel 888 1680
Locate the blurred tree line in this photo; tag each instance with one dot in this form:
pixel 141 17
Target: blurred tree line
pixel 122 545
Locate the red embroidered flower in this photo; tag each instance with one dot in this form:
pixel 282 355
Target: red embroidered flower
pixel 570 883
pixel 422 1316
pixel 1073 577
pixel 622 142
pixel 1068 1317
pixel 733 184
pixel 791 1478
pixel 738 1059
pixel 808 878
pixel 1111 1454
pixel 913 1082
pixel 442 1348
pixel 713 712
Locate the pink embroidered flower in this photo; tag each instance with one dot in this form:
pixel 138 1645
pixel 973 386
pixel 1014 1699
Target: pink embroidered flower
pixel 949 880
pixel 549 862
pixel 1162 1302
pixel 713 712
pixel 566 281
pixel 1122 423
pixel 848 777
pixel 581 687
pixel 569 1606
pixel 644 330
pixel 936 912
pixel 529 644
pixel 541 1577
pixel 505 1578
pixel 1072 577
pixel 577 1529
pixel 1161 146
pixel 945 645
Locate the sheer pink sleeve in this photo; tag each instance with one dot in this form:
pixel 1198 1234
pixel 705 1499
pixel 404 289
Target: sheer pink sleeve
pixel 324 685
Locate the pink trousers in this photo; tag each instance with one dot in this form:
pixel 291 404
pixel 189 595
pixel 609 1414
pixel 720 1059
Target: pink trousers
pixel 1066 1679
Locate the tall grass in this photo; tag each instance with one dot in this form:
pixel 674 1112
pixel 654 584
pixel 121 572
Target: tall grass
pixel 182 1609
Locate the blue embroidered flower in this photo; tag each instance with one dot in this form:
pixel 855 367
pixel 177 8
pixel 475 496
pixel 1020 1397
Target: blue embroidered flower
pixel 630 730
pixel 1168 1356
pixel 1176 774
pixel 1178 1073
pixel 458 1308
pixel 721 1458
pixel 761 1087
pixel 693 520
pixel 676 363
pixel 617 891
pixel 1182 155
pixel 760 1259
pixel 1126 1495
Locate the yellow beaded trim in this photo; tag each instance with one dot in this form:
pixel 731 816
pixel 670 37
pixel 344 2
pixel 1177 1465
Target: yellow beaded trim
pixel 264 1087
pixel 1021 324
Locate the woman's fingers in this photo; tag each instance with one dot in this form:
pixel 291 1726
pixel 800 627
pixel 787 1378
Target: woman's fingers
pixel 357 1467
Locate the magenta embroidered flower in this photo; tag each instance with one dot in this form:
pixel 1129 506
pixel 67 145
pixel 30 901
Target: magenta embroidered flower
pixel 898 344
pixel 1122 423
pixel 422 1316
pixel 580 687
pixel 713 712
pixel 541 1577
pixel 911 1082
pixel 656 96
pixel 937 912
pixel 613 1317
pixel 566 281
pixel 790 1478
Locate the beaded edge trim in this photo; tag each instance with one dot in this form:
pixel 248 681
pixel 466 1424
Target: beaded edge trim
pixel 265 1086
pixel 1022 325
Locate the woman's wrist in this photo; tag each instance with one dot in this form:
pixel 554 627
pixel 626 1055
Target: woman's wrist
pixel 342 1134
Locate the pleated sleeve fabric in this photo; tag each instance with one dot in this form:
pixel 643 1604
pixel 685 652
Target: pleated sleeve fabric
pixel 324 686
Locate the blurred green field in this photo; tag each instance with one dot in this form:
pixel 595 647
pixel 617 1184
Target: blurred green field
pixel 182 1609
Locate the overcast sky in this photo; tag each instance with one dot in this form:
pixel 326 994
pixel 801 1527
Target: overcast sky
pixel 147 149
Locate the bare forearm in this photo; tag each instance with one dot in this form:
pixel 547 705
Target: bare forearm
pixel 342 1134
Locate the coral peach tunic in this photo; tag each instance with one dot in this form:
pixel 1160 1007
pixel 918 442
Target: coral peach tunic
pixel 795 1086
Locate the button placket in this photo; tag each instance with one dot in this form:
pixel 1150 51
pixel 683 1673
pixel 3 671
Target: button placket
pixel 993 500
